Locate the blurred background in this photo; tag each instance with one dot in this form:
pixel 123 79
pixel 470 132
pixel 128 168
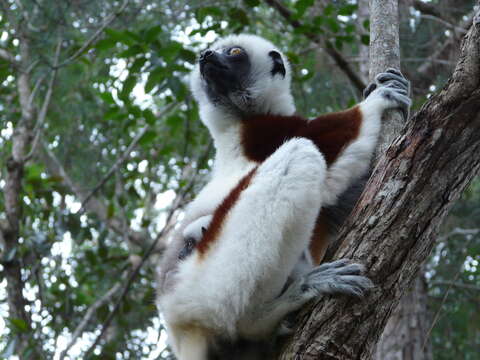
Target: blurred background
pixel 101 144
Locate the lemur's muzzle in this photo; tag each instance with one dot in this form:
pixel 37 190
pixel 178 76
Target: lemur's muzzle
pixel 212 61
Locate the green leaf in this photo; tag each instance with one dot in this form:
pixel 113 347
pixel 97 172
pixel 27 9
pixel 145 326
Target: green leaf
pixel 152 33
pixel 365 39
pixel 302 5
pixel 91 257
pixel 155 78
pixel 366 24
pixel 132 51
pixel 124 37
pixel 147 138
pixel 33 172
pixel 347 10
pixel 105 44
pixel 19 325
pixel 170 51
pixel 137 65
pixel 128 86
pixel 188 55
pixel 203 12
pixel 252 3
pixel 107 98
pixel 149 116
pixel 329 9
pixel 239 15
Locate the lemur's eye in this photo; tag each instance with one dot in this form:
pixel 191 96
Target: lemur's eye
pixel 235 51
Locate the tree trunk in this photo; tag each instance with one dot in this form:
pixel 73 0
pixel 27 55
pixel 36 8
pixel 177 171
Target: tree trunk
pixel 394 225
pixel 404 336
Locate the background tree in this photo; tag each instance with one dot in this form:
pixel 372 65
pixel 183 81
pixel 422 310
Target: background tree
pixel 101 148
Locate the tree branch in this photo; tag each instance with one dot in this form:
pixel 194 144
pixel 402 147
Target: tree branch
pixel 428 9
pixel 94 205
pixel 46 102
pixel 431 64
pixel 123 157
pixel 7 56
pixel 329 49
pixel 88 316
pixel 394 225
pixel 95 35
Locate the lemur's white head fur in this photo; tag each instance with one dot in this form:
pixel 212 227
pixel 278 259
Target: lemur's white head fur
pixel 231 84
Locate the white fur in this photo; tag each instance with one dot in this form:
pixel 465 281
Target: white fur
pixel 354 160
pixel 240 277
pixel 259 245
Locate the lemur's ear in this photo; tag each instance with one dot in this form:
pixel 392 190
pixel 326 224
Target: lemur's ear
pixel 278 66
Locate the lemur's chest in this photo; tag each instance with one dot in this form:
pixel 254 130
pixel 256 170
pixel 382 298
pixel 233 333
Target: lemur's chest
pixel 214 193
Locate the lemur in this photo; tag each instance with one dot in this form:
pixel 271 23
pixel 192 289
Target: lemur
pixel 249 249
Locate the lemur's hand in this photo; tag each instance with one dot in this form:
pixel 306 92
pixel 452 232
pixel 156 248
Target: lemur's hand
pixel 337 277
pixel 393 87
pixel 192 234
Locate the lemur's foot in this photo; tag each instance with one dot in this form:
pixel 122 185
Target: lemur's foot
pixel 338 277
pixel 393 87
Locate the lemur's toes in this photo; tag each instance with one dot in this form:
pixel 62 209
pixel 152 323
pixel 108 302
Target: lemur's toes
pixel 394 71
pixel 368 90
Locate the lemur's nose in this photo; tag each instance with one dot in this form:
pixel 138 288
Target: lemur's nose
pixel 206 54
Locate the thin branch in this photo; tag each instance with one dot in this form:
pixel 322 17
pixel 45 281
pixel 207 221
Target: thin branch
pixel 95 205
pixel 457 285
pixel 95 36
pixel 329 49
pixel 130 280
pixel 444 299
pixel 169 224
pixel 88 316
pixel 122 158
pixel 46 102
pixel 427 9
pixel 445 23
pixel 7 56
pixel 429 65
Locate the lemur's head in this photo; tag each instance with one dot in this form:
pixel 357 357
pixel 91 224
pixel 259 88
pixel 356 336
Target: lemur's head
pixel 242 75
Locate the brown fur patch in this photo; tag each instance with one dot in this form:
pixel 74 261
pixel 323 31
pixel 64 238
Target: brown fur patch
pixel 319 241
pixel 331 133
pixel 213 231
pixel 263 134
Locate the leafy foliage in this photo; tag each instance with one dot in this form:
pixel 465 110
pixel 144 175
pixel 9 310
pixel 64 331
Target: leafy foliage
pixel 130 84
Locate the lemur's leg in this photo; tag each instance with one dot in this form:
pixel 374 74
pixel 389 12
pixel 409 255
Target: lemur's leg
pixel 339 277
pixel 261 239
pixel 389 91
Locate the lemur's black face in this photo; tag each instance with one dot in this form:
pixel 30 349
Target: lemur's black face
pixel 225 71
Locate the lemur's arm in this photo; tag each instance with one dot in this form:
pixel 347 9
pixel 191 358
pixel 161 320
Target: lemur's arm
pixel 348 139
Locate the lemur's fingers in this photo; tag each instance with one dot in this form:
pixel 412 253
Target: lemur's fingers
pixel 368 90
pixel 386 77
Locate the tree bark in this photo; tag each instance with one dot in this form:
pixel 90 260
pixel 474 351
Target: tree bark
pixel 385 53
pixel 393 227
pixel 12 192
pixel 404 336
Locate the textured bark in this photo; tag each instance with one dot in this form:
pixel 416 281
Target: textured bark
pixel 404 336
pixel 363 14
pixel 21 140
pixel 384 54
pixel 393 227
